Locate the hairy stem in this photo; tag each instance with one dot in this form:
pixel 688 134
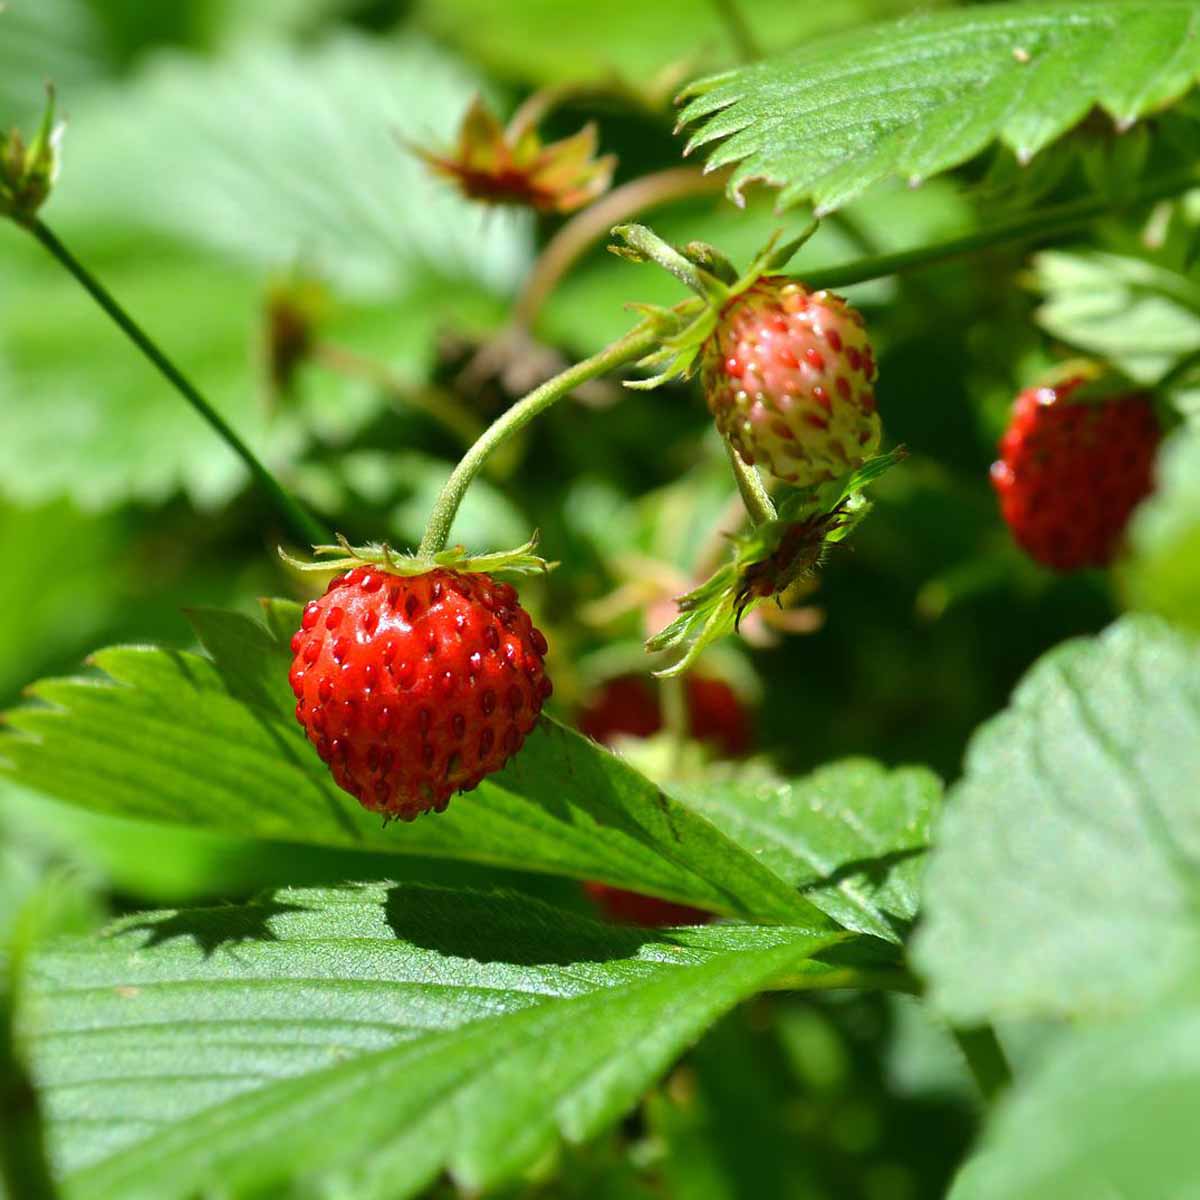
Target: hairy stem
pixel 301 523
pixel 580 233
pixel 985 1058
pixel 637 342
pixel 750 488
pixel 1062 218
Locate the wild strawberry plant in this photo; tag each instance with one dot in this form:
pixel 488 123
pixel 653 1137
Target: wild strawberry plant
pixel 809 810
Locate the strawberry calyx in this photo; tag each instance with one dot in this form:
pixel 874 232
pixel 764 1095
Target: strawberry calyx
pixel 770 560
pixel 713 278
pixel 342 556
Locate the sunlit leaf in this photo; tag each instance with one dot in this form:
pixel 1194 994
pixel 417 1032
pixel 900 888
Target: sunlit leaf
pixel 376 1034
pixel 922 95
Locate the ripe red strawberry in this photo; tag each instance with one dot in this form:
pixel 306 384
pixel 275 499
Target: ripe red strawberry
pixel 1071 471
pixel 789 376
pixel 627 705
pixel 631 908
pixel 416 687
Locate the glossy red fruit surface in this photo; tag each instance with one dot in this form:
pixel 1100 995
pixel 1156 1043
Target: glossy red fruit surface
pixel 631 908
pixel 1071 472
pixel 412 688
pixel 789 376
pixel 629 706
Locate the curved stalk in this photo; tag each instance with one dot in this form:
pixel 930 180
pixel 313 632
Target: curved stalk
pixel 1062 218
pixel 636 343
pixel 580 233
pixel 302 524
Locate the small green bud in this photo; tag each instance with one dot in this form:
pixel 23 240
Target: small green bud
pixel 28 172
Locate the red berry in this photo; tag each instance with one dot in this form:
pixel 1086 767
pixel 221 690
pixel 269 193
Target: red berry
pixel 1071 471
pixel 631 908
pixel 419 686
pixel 789 376
pixel 628 706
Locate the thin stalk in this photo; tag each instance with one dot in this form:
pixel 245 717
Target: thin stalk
pixel 302 524
pixel 739 31
pixel 675 718
pixel 985 1058
pixel 638 341
pixel 583 230
pixel 1063 218
pixel 750 487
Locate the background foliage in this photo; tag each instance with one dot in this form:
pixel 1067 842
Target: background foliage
pixel 456 1017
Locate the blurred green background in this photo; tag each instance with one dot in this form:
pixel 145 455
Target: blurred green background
pixel 228 164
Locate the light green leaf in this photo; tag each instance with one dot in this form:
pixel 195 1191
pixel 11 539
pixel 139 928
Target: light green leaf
pixel 922 95
pixel 851 836
pixel 83 414
pixel 375 1034
pixel 1141 317
pixel 1162 573
pixel 46 40
pixel 177 737
pixel 1065 876
pixel 1111 1114
pixel 278 156
pixel 639 43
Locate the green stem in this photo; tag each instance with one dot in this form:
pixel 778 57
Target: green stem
pixel 646 244
pixel 638 341
pixel 750 488
pixel 739 30
pixel 1063 218
pixel 301 523
pixel 985 1058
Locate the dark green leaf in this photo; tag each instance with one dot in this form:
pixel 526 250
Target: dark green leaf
pixel 919 96
pixel 1065 876
pixel 376 1034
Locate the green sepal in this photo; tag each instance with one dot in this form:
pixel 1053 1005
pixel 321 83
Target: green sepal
pixel 345 557
pixel 27 173
pixel 714 279
pixel 768 560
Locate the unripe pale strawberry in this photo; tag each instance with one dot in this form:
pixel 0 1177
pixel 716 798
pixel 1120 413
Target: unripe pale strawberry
pixel 789 377
pixel 412 688
pixel 1071 471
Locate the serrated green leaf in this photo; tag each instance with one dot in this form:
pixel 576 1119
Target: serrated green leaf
pixel 851 836
pixel 1162 572
pixel 922 95
pixel 1065 876
pixel 214 744
pixel 375 1034
pixel 1140 317
pixel 1111 1113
